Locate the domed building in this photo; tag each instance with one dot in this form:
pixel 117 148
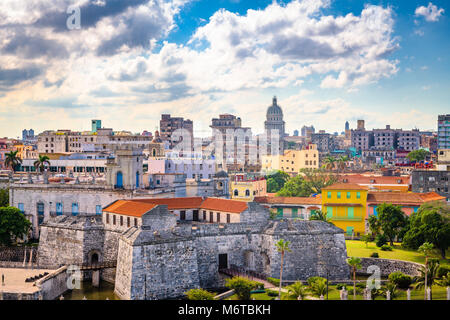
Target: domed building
pixel 274 121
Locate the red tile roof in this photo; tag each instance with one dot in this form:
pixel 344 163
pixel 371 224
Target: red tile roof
pixel 225 205
pixel 402 198
pixel 375 179
pixel 129 208
pixel 174 203
pixel 138 207
pixel 289 200
pixel 345 186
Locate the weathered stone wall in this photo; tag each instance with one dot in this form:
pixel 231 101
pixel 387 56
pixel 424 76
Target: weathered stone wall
pixel 54 284
pixel 387 266
pixel 124 267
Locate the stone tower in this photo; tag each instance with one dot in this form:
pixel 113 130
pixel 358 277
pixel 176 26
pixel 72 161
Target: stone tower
pixel 125 169
pixel 274 124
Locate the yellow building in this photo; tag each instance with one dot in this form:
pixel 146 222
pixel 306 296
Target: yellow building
pixel 25 152
pixel 247 189
pixel 292 160
pixel 346 206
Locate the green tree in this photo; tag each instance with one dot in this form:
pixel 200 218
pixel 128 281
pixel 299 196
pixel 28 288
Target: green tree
pixel 199 294
pixel 320 215
pixel 276 181
pixel 374 225
pixel 13 225
pixel 297 290
pixel 308 182
pixel 342 162
pixel 429 224
pixel 4 197
pixel 392 221
pixel 40 163
pixel 12 160
pixel 282 247
pixel 355 263
pixel 426 250
pixel 366 238
pixel 417 155
pixel 295 187
pixel 329 162
pixel 430 269
pixel 445 281
pixel 241 286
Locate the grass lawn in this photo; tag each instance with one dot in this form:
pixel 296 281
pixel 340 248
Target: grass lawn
pixel 438 293
pixel 356 248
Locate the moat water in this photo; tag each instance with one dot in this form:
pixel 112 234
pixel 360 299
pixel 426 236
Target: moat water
pixel 105 290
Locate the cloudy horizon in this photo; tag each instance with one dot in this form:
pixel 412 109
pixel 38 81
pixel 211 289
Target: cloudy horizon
pixel 327 61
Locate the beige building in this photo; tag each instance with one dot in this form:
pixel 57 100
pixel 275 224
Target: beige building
pixel 292 160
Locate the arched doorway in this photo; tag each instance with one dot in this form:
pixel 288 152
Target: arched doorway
pixel 94 257
pixel 249 260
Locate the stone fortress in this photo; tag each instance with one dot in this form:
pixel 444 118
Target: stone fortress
pixel 160 257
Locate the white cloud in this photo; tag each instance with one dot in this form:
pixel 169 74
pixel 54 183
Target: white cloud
pixel 431 13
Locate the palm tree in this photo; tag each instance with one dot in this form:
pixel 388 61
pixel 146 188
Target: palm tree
pixel 426 249
pixel 355 263
pixel 297 290
pixel 445 281
pixel 342 162
pixel 431 272
pixel 12 160
pixel 40 163
pixel 320 215
pixel 282 247
pixel 328 162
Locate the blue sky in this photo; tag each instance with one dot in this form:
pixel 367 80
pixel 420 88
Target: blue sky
pixel 327 61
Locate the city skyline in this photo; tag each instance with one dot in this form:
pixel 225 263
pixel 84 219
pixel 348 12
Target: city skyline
pixel 197 60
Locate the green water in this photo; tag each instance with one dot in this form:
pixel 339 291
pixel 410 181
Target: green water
pixel 105 290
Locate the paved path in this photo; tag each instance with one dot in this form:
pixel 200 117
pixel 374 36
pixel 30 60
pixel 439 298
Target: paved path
pixel 15 279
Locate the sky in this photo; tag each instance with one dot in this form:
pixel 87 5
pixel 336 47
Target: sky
pixel 65 62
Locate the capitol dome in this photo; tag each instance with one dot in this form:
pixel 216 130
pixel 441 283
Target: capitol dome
pixel 274 109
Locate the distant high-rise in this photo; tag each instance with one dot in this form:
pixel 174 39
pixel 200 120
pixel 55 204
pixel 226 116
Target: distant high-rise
pixel 295 133
pixel 347 126
pixel 27 134
pixel 96 124
pixel 444 131
pixel 168 125
pixel 307 131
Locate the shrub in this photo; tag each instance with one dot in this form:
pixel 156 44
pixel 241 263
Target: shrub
pixel 241 286
pixel 274 281
pixel 259 285
pixel 443 270
pixel 319 286
pixel 313 280
pixel 385 247
pixel 340 286
pixel 199 294
pixel 380 240
pixel 374 255
pixel 272 293
pixel 401 280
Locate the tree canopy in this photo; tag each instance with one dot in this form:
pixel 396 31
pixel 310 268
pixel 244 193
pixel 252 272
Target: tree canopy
pixel 429 224
pixel 417 155
pixel 4 197
pixel 393 222
pixel 13 225
pixel 308 182
pixel 276 181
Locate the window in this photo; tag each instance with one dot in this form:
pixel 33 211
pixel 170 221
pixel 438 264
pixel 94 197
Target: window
pixel 204 215
pixel 59 209
pixel 358 195
pixel 21 208
pixel 228 218
pixel 211 217
pixel 236 192
pixel 114 220
pixel 329 195
pixel 218 217
pixel 98 209
pixel 247 193
pixel 121 221
pixel 135 222
pixel 182 215
pixel 294 212
pixel 348 195
pixel 329 212
pixel 75 209
pixel 107 218
pixel 350 213
pixel 280 212
pixel 338 195
pixel 128 222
